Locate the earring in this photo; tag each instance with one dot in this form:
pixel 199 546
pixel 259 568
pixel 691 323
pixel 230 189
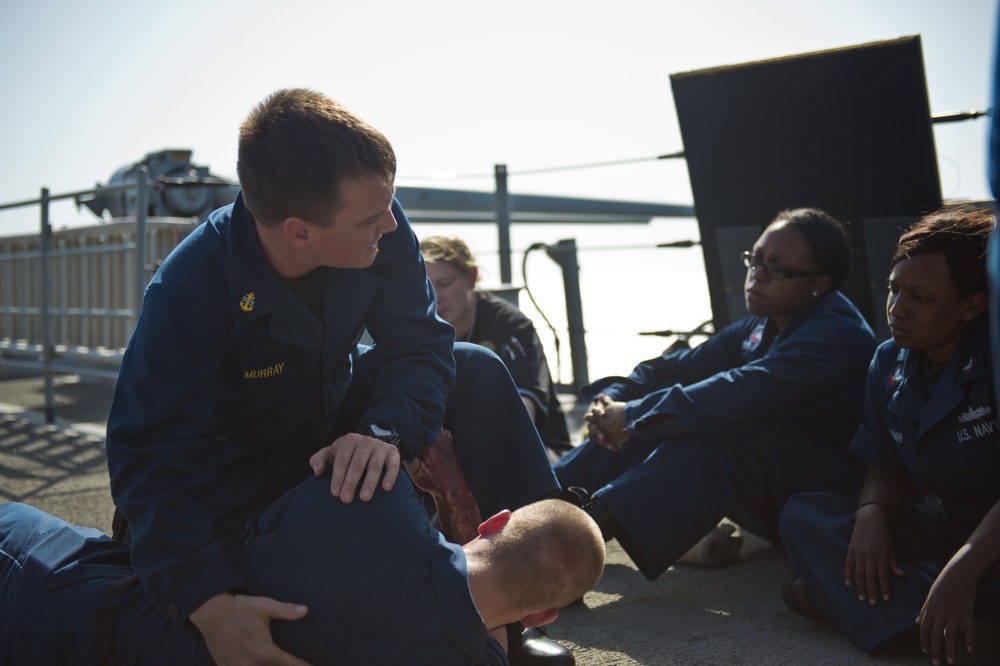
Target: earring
pixel 815 294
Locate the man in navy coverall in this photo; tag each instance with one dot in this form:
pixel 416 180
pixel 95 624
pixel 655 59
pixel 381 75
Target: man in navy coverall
pixel 401 594
pixel 244 373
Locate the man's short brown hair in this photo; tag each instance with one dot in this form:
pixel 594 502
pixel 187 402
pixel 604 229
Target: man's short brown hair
pixel 548 555
pixel 295 149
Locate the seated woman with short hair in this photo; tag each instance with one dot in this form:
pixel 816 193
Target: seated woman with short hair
pixel 921 540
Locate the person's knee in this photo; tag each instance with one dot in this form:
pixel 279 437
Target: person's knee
pixel 469 353
pixel 479 364
pixel 799 514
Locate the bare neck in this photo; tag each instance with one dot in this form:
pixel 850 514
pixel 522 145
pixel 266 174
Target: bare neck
pixel 489 600
pixel 463 326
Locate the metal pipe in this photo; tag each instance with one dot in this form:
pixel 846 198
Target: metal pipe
pixel 71 195
pixel 957 116
pixel 503 221
pixel 70 312
pixel 46 323
pixel 142 188
pixel 102 250
pixel 67 368
pixel 564 254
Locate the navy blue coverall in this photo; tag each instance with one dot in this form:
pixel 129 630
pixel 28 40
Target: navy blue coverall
pixel 732 427
pixel 946 444
pixel 231 382
pixel 383 588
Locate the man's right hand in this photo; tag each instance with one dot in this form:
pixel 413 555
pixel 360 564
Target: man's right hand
pixel 353 456
pixel 237 629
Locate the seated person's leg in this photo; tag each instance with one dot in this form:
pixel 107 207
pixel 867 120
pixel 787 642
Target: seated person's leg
pixel 591 466
pixel 503 458
pixel 666 505
pixel 816 530
pixel 771 465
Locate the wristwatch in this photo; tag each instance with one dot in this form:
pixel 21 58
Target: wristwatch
pixel 381 431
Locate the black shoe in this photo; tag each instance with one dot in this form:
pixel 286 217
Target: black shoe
pixel 534 647
pixel 602 515
pixel 594 507
pixel 575 495
pixel 799 601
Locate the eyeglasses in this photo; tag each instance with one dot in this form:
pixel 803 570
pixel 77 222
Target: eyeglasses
pixel 773 269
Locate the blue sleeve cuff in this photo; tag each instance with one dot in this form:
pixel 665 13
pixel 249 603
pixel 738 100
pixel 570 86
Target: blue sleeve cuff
pixel 613 387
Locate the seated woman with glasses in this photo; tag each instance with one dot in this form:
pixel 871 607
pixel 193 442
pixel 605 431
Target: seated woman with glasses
pixel 921 540
pixel 735 426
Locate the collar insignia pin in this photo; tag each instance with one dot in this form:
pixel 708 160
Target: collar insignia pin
pixel 247 302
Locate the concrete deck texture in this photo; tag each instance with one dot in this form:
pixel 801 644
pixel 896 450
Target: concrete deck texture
pixel 690 615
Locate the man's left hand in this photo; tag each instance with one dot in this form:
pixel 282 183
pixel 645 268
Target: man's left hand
pixel 352 457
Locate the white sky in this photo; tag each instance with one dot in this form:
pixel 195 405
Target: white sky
pixel 457 86
pixel 87 87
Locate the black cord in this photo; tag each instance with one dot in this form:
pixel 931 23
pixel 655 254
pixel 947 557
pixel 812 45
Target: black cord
pixel 527 290
pixel 569 167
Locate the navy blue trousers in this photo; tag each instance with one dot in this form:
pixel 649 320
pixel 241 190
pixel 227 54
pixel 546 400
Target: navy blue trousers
pixel 497 445
pixel 53 577
pixel 501 452
pixel 816 529
pixel 667 495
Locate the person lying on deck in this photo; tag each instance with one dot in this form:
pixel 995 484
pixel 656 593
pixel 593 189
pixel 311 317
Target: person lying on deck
pixel 379 585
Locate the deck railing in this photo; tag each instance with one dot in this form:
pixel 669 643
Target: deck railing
pixel 69 299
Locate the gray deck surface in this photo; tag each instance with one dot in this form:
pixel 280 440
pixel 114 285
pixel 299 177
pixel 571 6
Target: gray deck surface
pixel 690 615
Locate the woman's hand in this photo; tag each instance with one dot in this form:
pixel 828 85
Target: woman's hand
pixel 870 556
pixel 606 423
pixel 946 611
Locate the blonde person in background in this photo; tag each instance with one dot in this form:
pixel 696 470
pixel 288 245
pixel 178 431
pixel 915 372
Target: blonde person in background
pixel 495 323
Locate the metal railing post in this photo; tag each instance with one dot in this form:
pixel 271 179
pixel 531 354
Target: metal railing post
pixel 564 254
pixel 503 220
pixel 45 240
pixel 142 186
